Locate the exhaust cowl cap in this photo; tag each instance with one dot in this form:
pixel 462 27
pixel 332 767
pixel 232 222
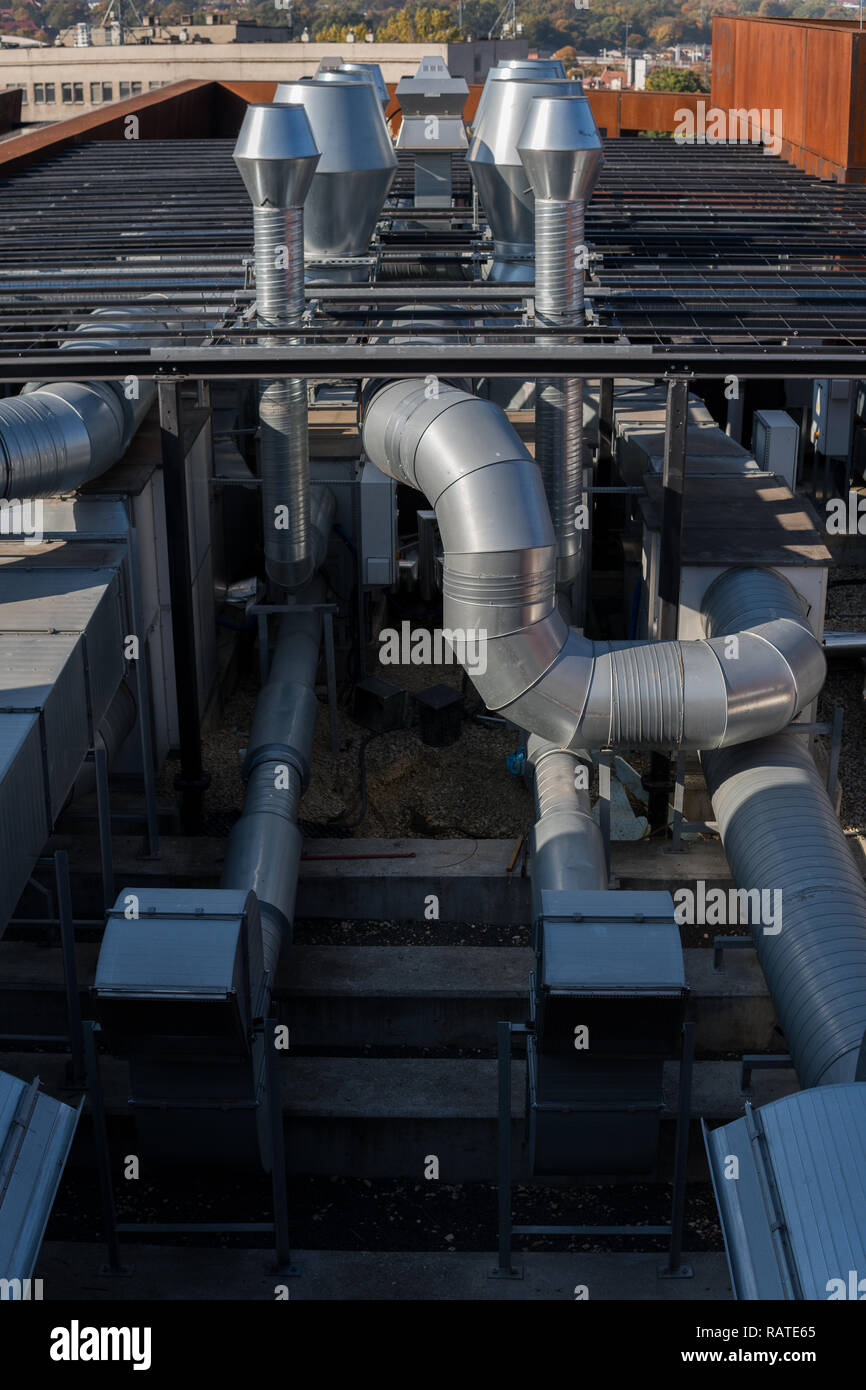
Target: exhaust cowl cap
pixel 276 155
pixel 374 73
pixel 560 148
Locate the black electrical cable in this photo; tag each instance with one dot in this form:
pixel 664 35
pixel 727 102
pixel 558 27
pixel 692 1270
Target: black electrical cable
pixel 343 818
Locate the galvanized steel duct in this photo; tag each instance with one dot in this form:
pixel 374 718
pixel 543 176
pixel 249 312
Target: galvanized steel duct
pixel 54 438
pixel 497 171
pixel 277 158
pixel 781 833
pixel 560 149
pixel 567 848
pixel 264 847
pixel 499 581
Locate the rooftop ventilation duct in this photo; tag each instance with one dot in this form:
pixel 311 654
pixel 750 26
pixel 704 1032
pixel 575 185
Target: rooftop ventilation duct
pixel 782 836
pixel 55 437
pixel 499 582
pixel 432 105
pixel 357 166
pixel 533 67
pixel 509 68
pixel 560 149
pixel 497 170
pixel 375 75
pixel 193 983
pixel 277 157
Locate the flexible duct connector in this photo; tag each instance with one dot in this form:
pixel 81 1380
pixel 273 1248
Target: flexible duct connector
pixel 567 847
pixel 499 583
pixel 279 252
pixel 55 438
pixel 264 847
pixel 781 835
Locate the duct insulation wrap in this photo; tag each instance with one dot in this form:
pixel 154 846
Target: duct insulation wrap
pixel 264 847
pixel 499 589
pixel 567 847
pixel 559 286
pixel 285 460
pixel 54 438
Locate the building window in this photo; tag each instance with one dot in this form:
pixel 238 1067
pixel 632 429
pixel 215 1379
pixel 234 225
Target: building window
pixel 50 92
pixel 107 91
pixel 95 91
pixel 39 91
pixel 136 89
pixel 66 91
pixel 152 86
pixel 78 91
pixel 124 90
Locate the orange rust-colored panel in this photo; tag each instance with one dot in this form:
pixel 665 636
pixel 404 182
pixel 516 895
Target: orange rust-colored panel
pixel 827 94
pixel 182 110
pixel 857 135
pixel 656 110
pixel 724 41
pixel 605 109
pixel 253 93
pixel 812 72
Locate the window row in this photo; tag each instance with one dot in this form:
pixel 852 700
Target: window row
pixel 72 93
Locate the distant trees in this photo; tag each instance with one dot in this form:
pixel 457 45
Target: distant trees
pixel 550 25
pixel 336 33
pixel 418 26
pixel 675 80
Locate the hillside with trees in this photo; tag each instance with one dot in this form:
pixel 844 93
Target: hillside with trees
pixel 550 25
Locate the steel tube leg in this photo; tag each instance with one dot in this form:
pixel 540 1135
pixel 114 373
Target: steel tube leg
pixel 103 807
pixel 504 1269
pixel 278 1153
pixel 103 1153
pixel 675 1269
pixel 70 973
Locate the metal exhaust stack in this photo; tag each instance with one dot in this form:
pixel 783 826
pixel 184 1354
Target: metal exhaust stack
pixel 356 169
pixel 375 75
pixel 277 157
pixel 432 104
pixel 498 173
pixel 560 149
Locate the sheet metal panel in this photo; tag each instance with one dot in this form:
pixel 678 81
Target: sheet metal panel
pixel 54 600
pixel 793 1207
pixel 35 1136
pixel 24 825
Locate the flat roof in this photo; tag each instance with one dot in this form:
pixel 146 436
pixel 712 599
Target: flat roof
pixel 707 258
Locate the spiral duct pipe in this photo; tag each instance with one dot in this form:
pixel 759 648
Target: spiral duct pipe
pixel 499 583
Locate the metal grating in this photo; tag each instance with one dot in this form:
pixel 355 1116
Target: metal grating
pixel 703 253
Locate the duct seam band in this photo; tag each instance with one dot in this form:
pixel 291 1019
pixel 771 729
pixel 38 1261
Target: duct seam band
pixel 647 694
pixel 279 753
pixel 496 589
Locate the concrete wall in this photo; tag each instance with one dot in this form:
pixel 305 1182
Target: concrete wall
pixel 152 66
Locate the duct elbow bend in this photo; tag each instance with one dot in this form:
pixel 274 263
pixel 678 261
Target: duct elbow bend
pixel 772 664
pixel 758 667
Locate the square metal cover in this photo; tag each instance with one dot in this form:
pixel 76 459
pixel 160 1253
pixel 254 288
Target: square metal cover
pixel 610 943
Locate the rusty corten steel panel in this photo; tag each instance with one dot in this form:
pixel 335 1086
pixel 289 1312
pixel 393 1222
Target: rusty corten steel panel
pixel 655 110
pixel 857 140
pixel 183 110
pixel 804 68
pixel 605 109
pixel 724 45
pixel 828 95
